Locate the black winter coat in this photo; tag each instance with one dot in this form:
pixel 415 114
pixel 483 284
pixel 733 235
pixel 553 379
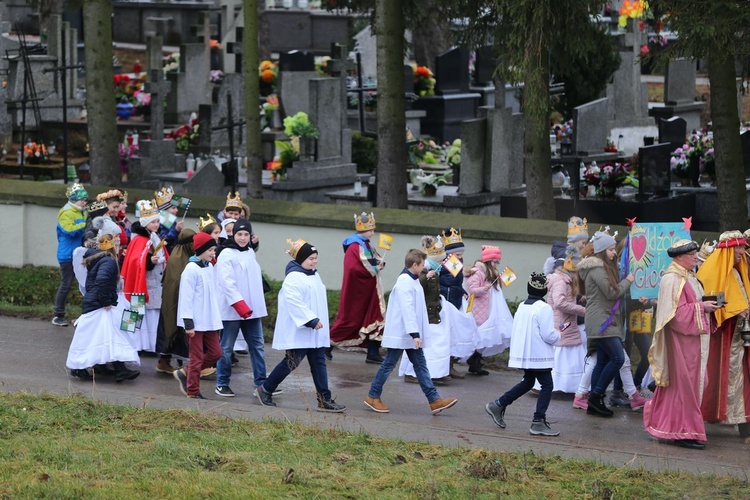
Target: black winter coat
pixel 452 288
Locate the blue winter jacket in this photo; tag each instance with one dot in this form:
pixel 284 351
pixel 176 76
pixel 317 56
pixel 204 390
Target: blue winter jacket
pixel 102 278
pixel 71 223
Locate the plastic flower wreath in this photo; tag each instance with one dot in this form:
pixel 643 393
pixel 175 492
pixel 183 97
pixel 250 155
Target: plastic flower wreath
pixel 424 81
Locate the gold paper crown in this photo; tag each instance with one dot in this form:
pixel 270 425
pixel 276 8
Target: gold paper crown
pixel 164 196
pixel 294 247
pixel 96 205
pixel 538 281
pixel 106 242
pixel 453 236
pixel 433 247
pixel 108 195
pixel 125 196
pixel 706 250
pixel 234 201
pixel 576 225
pixel 147 209
pixel 364 222
pixel 76 188
pixel 205 222
pixel 572 258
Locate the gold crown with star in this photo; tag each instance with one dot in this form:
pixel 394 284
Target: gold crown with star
pixel 364 222
pixel 294 247
pixel 205 222
pixel 453 237
pixel 233 201
pixel 147 209
pixel 433 246
pixel 576 225
pixel 164 196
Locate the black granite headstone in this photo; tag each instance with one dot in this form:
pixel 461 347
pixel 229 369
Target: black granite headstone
pixel 745 140
pixel 408 79
pixel 673 131
pixel 484 66
pixel 297 60
pixel 654 172
pixel 452 71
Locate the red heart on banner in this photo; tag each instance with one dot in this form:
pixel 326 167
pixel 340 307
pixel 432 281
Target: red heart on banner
pixel 638 246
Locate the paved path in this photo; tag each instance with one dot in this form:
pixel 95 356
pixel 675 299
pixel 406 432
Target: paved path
pixel 33 353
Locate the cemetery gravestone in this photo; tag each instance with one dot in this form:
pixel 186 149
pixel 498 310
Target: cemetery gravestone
pixel 679 82
pixel 673 131
pixel 654 170
pixel 588 134
pixel 452 71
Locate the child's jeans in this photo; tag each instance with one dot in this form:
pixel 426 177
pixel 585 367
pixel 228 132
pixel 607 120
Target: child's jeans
pixel 416 356
pixel 545 395
pixel 208 341
pixel 316 358
pixel 252 331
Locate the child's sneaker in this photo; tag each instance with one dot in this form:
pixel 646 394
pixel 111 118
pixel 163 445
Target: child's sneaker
pixel 264 398
pixel 59 321
pixel 224 390
pixel 637 402
pixel 619 398
pixel 542 428
pixel 581 401
pixel 441 404
pixel 496 412
pixel 181 377
pixel 375 404
pixel 330 406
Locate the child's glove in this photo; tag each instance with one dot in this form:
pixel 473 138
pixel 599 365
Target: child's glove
pixel 242 309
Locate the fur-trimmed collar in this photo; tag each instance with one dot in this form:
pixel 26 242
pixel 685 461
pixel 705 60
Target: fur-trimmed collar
pixel 589 263
pixel 140 230
pixel 92 255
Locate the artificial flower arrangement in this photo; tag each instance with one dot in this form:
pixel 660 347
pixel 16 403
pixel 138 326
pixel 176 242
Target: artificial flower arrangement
pixel 424 81
pixel 698 146
pixel 35 152
pixel 268 72
pixel 611 147
pixel 268 109
pixel 186 135
pixel 564 131
pixel 300 126
pixel 631 9
pixel 171 63
pixel 611 175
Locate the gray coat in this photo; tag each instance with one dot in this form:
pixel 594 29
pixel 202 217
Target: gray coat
pixel 600 298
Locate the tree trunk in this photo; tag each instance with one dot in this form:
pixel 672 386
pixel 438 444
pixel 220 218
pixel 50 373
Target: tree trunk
pixel 250 65
pixel 100 102
pixel 539 199
pixel 430 36
pixel 730 176
pixel 391 169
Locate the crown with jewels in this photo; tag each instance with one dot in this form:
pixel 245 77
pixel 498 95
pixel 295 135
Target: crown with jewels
pixel 576 225
pixel 294 247
pixel 364 222
pixel 538 281
pixel 205 222
pixel 76 191
pixel 95 206
pixel 572 258
pixel 706 250
pixel 233 201
pixel 433 247
pixel 147 209
pixel 453 236
pixel 163 197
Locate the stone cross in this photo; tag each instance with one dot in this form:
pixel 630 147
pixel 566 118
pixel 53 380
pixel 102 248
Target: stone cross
pixel 338 65
pixel 154 53
pixel 158 88
pixel 237 48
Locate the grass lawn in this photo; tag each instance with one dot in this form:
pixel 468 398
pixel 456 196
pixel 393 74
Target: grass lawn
pixel 72 447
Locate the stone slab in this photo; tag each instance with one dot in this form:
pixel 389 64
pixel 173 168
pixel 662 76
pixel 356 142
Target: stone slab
pixel 588 133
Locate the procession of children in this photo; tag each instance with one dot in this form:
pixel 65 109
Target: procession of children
pixel 155 288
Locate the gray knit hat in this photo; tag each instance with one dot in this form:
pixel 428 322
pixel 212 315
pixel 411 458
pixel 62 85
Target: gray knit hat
pixel 602 240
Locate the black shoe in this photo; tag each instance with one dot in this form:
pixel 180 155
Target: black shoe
pixel 475 365
pixel 690 443
pixel 104 370
pixel 597 406
pixel 329 353
pixel 197 396
pixel 478 371
pixel 652 387
pixel 374 359
pixel 224 390
pixel 181 377
pixel 330 407
pixel 81 374
pixel 265 398
pixel 126 374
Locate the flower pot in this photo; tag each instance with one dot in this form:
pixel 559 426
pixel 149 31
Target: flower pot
pixel 685 182
pixel 429 190
pixel 307 148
